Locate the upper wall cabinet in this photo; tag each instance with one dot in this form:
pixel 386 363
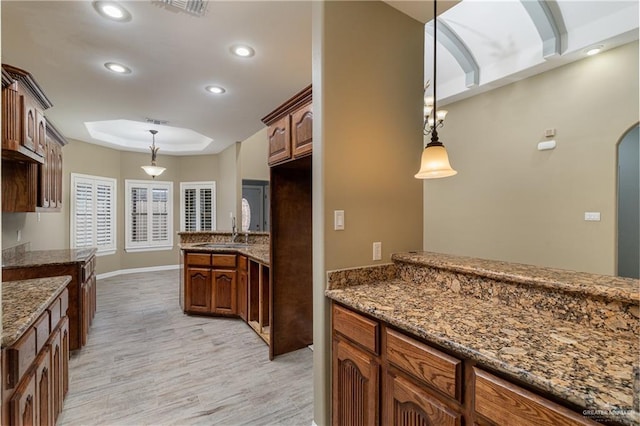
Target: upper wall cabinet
pixel 290 128
pixel 23 122
pixel 31 147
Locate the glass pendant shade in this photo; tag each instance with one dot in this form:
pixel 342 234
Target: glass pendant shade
pixel 153 171
pixel 434 163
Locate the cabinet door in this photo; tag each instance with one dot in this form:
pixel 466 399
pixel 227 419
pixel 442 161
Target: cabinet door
pixel 44 174
pixel 65 342
pixel 242 294
pixel 56 193
pixel 279 140
pixel 355 386
pixel 22 405
pixel 198 291
pixel 84 312
pixel 408 404
pixel 56 372
pixel 29 120
pixel 41 133
pixel 44 388
pixel 224 292
pixel 302 131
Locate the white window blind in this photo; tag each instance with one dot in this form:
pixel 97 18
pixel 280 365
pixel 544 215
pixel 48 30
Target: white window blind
pixel 148 215
pixel 93 208
pixel 197 206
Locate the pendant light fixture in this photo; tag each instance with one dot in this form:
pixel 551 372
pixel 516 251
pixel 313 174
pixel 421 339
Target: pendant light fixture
pixel 153 170
pixel 435 160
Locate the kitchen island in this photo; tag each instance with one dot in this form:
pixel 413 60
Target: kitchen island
pixel 505 333
pixel 20 263
pixel 35 350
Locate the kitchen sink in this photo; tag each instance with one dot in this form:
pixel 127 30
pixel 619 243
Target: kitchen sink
pixel 222 245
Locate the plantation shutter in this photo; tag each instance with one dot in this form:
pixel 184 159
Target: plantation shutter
pixel 83 214
pixel 190 210
pixel 93 204
pixel 197 206
pixel 149 215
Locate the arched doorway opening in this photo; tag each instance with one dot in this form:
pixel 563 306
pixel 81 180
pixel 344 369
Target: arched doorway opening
pixel 629 204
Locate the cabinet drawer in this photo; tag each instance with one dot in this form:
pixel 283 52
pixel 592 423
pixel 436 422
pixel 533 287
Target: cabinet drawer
pixel 224 260
pixel 242 263
pixel 55 310
pixel 199 259
pixel 356 327
pixel 20 356
pixel 505 403
pixel 425 363
pixel 88 268
pixel 43 329
pixel 64 303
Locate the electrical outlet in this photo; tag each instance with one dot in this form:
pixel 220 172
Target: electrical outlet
pixel 19 236
pixel 592 216
pixel 377 251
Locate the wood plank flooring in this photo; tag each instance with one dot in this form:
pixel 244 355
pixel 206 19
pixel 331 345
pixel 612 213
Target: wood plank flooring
pixel 146 363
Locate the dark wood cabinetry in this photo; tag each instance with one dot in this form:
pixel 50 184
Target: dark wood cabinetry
pixel 290 139
pixel 82 302
pixel 210 284
pixel 31 146
pixel 36 369
pixel 290 128
pixel 243 287
pixel 422 385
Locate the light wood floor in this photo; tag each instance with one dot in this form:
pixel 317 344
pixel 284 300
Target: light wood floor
pixel 147 363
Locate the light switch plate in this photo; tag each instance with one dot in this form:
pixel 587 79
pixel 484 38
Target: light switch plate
pixel 377 251
pixel 338 220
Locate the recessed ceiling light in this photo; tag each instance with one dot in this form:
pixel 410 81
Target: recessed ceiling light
pixel 112 10
pixel 215 89
pixel 117 68
pixel 243 51
pixel 594 50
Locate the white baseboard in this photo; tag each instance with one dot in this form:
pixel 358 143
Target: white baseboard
pixel 137 270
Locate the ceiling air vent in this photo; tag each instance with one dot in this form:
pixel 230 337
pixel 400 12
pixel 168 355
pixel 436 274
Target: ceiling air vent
pixel 194 7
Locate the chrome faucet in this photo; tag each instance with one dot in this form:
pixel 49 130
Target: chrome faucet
pixel 234 230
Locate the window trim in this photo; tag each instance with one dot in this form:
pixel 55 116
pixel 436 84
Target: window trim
pixel 198 185
pixel 133 247
pixel 101 250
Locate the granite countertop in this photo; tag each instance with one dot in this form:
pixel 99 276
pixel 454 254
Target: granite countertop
pixel 616 288
pixel 588 366
pixel 258 252
pixel 24 301
pixel 47 257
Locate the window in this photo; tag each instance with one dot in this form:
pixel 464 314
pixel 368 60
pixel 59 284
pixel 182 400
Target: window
pixel 197 206
pixel 93 213
pixel 148 215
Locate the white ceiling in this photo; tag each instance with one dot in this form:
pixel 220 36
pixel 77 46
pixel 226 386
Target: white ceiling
pixel 174 56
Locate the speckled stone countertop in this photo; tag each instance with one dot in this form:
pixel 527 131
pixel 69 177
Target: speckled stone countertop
pixel 47 257
pixel 24 301
pixel 258 252
pixel 573 359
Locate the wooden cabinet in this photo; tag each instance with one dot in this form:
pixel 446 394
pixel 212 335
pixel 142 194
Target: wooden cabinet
pixel 410 404
pixel 198 291
pixel 37 369
pixel 31 147
pixel 421 385
pixel 242 287
pixel 82 302
pixel 210 284
pixel 502 402
pixel 50 172
pixel 290 127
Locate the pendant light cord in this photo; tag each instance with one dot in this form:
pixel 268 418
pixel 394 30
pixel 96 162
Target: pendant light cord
pixel 434 132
